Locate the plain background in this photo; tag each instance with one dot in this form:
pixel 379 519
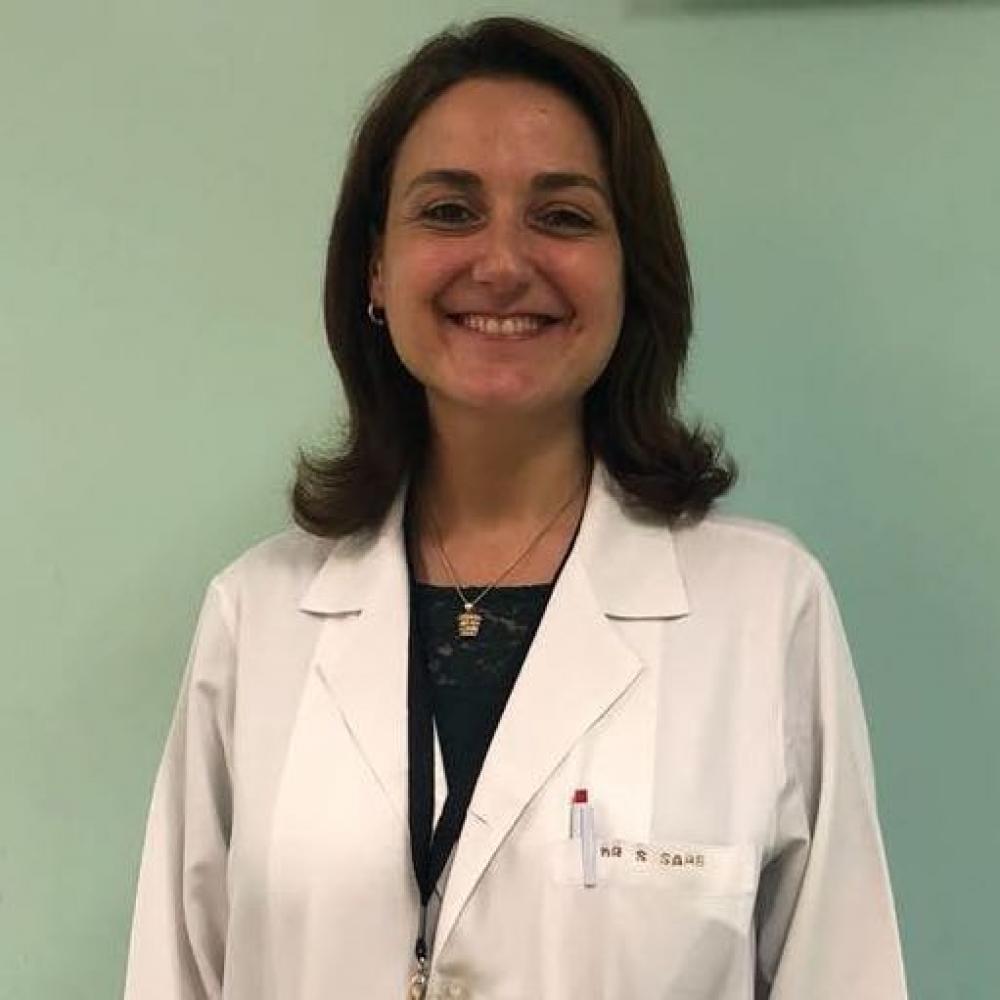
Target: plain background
pixel 167 175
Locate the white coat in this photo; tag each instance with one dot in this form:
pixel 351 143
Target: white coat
pixel 696 681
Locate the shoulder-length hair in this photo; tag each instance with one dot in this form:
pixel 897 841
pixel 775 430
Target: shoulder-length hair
pixel 668 469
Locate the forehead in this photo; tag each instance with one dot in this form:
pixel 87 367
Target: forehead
pixel 497 128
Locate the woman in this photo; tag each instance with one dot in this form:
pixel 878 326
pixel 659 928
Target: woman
pixel 516 715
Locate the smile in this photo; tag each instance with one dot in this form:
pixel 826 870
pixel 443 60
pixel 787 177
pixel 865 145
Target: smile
pixel 521 325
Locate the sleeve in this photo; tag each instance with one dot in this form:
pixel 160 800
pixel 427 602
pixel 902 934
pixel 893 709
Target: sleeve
pixel 178 938
pixel 826 921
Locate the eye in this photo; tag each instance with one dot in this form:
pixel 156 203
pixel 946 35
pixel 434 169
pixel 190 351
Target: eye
pixel 449 213
pixel 566 218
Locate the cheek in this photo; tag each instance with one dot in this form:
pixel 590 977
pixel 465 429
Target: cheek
pixel 592 275
pixel 421 271
pixel 610 285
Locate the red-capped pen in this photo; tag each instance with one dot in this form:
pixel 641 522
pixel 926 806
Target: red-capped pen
pixel 581 826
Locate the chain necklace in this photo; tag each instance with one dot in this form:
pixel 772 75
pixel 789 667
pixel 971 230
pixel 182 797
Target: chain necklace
pixel 468 620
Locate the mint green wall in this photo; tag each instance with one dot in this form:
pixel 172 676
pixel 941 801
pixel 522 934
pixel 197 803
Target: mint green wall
pixel 166 177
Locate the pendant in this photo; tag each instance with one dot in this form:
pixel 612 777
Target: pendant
pixel 417 988
pixel 468 621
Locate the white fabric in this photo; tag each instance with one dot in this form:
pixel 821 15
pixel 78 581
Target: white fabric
pixel 696 681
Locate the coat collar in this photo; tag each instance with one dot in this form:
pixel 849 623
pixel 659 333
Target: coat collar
pixel 630 561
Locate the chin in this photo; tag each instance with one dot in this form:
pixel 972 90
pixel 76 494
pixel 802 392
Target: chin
pixel 508 404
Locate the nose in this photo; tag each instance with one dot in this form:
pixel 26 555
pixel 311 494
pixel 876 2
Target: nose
pixel 502 261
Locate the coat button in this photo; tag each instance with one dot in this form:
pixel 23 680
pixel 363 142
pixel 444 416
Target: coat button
pixel 447 989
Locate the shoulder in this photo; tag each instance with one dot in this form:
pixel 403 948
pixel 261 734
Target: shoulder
pixel 279 565
pixel 732 535
pixel 747 556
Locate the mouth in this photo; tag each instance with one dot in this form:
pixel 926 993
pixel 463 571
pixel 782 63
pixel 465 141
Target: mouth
pixel 521 326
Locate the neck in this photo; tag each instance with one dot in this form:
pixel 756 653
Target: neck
pixel 480 475
pixel 490 487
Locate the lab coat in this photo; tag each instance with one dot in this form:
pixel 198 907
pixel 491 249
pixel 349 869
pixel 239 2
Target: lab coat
pixel 696 681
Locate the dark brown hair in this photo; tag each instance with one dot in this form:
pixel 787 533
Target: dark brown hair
pixel 631 421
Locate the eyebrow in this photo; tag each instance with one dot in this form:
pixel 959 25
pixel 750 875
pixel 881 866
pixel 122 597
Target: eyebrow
pixel 466 180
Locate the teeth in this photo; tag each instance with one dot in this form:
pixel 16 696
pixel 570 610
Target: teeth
pixel 497 326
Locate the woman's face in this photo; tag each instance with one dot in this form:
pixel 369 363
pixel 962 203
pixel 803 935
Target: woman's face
pixel 500 267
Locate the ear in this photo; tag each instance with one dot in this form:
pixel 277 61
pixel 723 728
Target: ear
pixel 376 286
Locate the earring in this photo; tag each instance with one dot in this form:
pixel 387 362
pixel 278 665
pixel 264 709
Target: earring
pixel 379 318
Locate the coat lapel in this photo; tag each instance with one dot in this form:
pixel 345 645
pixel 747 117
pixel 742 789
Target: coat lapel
pixel 576 669
pixel 361 653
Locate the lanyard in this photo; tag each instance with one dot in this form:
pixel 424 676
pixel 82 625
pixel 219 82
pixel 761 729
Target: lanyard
pixel 429 848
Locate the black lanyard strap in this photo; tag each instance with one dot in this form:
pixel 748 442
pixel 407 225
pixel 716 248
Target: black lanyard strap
pixel 421 760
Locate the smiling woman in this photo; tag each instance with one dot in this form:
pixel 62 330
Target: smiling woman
pixel 512 712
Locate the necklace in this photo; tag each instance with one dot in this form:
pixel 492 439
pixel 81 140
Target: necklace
pixel 468 620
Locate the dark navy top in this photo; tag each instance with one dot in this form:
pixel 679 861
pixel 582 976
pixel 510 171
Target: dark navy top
pixel 470 679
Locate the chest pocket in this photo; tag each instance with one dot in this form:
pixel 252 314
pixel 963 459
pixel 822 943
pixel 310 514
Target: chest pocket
pixel 685 868
pixel 664 919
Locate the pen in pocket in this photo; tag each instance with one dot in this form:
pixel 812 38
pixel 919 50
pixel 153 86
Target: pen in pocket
pixel 581 826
